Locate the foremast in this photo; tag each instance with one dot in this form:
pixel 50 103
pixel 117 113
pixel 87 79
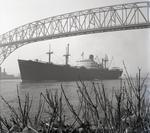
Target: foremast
pixel 49 54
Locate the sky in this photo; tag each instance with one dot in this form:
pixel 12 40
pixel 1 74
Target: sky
pixel 132 46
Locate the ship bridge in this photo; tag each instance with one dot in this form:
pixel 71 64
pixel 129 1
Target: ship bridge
pixel 126 16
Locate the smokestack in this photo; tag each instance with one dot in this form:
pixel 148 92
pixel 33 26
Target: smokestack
pixel 91 57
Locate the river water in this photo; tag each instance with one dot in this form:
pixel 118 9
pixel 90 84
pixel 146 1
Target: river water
pixel 8 89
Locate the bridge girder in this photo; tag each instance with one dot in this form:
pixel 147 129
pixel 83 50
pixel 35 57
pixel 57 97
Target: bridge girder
pixel 103 19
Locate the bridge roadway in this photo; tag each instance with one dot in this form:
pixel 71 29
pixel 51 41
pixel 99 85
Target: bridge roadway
pixel 127 16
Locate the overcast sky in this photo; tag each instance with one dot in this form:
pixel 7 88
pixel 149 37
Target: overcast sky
pixel 131 46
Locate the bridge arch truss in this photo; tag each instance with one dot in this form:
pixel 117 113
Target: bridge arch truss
pixel 103 19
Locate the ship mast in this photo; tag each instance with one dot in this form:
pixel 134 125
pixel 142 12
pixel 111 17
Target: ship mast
pixel 105 61
pixel 67 54
pixel 49 53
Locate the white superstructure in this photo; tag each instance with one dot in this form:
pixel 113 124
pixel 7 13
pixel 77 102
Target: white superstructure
pixel 88 63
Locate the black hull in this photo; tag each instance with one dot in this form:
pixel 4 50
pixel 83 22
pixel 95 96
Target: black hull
pixel 36 71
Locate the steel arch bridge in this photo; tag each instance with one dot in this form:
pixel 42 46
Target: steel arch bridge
pixel 103 19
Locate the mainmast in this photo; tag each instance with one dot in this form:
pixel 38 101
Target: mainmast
pixel 67 54
pixel 49 53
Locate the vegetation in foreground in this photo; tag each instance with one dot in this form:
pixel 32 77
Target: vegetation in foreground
pixel 127 110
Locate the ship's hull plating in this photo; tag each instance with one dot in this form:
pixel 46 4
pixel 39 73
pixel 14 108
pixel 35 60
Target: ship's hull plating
pixel 36 71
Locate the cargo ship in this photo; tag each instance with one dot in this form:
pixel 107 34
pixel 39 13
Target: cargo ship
pixel 86 69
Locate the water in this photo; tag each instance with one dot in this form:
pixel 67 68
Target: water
pixel 8 89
